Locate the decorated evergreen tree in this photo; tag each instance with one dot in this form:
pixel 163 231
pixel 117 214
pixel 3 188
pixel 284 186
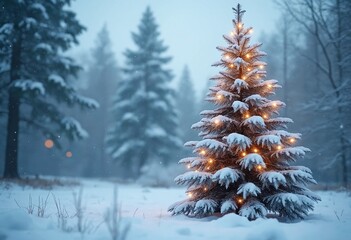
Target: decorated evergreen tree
pixel 36 76
pixel 243 162
pixel 145 128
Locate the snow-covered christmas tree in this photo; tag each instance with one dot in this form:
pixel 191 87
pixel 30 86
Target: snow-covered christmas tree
pixel 243 162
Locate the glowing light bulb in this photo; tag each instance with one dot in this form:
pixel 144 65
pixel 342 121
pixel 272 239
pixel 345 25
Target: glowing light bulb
pixel 257 76
pixel 239 25
pixel 240 200
pixel 69 154
pixel 227 56
pixel 202 152
pixel 248 69
pixel 217 121
pixel 208 168
pixel 219 97
pixel 292 140
pixel 261 67
pixel 255 150
pixel 188 166
pixel 259 167
pixel 265 116
pixel 48 143
pixel 248 55
pixel 279 147
pixel 269 85
pixel 274 104
pixel 251 31
pixel 210 160
pixel 243 154
pixel 244 77
pixel 205 189
pixel 190 195
pixel 231 65
pixel 247 115
pixel 232 33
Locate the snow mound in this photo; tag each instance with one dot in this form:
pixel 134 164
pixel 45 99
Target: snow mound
pixel 16 219
pixel 231 220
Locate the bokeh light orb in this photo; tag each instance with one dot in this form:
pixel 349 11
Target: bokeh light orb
pixel 48 143
pixel 69 154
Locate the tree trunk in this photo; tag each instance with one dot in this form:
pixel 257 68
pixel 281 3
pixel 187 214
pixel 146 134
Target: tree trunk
pixel 11 151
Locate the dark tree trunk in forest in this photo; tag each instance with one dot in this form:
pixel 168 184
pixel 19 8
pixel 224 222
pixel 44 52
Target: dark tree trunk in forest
pixel 11 151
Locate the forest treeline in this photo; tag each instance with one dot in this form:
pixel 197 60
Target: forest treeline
pixel 109 117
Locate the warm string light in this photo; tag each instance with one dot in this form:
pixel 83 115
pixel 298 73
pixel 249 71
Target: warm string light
pixel 255 150
pixel 248 69
pixel 244 77
pixel 219 97
pixel 251 31
pixel 202 152
pixel 275 104
pixel 248 55
pixel 261 67
pixel 190 195
pixel 259 167
pixel 188 166
pixel 247 115
pixel 210 160
pixel 243 154
pixel 240 200
pixel 205 189
pixel 217 122
pixel 239 25
pixel 227 56
pixel 292 140
pixel 269 85
pixel 208 168
pixel 279 147
pixel 232 33
pixel 231 65
pixel 265 116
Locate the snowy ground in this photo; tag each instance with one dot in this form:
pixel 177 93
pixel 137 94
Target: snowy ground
pixel 146 211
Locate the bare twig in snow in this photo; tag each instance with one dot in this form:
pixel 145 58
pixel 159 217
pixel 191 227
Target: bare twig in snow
pixel 113 220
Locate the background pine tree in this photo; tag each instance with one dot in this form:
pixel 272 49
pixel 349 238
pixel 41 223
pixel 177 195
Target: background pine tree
pixel 243 161
pixel 102 79
pixel 187 106
pixel 145 120
pixel 36 74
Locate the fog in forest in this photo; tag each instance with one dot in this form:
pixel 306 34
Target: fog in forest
pixel 103 121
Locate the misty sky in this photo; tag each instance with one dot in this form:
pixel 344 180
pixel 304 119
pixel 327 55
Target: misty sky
pixel 191 28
